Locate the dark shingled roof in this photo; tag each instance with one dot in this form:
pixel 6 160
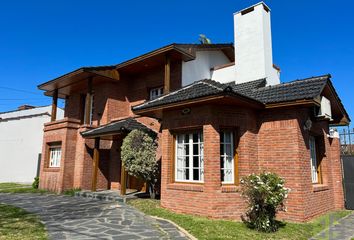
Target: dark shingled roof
pixel 127 124
pixel 256 90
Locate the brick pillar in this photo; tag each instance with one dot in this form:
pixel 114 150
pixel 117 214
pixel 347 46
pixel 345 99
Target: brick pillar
pixel 166 162
pixel 336 166
pixel 212 178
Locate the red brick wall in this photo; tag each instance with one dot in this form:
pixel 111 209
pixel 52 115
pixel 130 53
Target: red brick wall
pixel 58 179
pixel 270 140
pixel 112 100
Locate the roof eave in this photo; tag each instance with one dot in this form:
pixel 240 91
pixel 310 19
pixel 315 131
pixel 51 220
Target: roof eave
pixel 207 98
pixel 308 101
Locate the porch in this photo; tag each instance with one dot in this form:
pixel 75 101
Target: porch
pixel 114 132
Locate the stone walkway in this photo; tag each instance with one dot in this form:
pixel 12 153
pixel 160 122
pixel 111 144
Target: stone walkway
pixel 344 230
pixel 68 217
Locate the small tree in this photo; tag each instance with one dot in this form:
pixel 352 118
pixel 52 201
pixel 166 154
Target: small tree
pixel 139 158
pixel 265 194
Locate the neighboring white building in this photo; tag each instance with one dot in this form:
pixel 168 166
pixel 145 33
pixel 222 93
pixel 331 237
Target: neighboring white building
pixel 21 136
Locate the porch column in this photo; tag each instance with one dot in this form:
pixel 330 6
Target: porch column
pixel 167 78
pixel 96 158
pixel 54 106
pixel 123 179
pixel 88 103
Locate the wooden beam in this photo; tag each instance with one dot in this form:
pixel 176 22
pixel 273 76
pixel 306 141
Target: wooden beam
pixel 95 164
pixel 167 78
pixel 123 179
pixel 88 103
pixel 54 106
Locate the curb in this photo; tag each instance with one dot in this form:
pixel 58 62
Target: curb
pixel 184 231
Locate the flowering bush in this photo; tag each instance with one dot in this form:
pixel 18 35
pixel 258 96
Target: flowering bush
pixel 265 194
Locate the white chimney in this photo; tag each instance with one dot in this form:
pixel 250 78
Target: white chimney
pixel 253 45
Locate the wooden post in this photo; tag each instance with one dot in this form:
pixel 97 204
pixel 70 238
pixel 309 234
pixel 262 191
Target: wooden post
pixel 95 164
pixel 123 180
pixel 167 78
pixel 88 103
pixel 54 106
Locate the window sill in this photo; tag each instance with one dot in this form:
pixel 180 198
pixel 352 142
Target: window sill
pixel 51 169
pixel 230 188
pixel 319 187
pixel 192 187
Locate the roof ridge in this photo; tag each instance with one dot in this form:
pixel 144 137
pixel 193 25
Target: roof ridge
pixel 296 82
pixel 18 110
pixel 211 85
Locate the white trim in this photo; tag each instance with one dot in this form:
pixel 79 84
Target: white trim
pixel 159 92
pixel 313 159
pixel 224 156
pixel 190 156
pixel 54 156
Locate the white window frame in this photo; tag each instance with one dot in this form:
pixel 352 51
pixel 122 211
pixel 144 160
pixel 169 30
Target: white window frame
pixel 224 156
pixel 54 156
pixel 313 159
pixel 155 93
pixel 190 166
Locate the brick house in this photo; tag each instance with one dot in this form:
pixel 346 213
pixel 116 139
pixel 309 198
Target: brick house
pixel 219 112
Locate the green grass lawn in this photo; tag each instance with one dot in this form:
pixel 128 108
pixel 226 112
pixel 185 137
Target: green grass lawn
pixel 18 188
pixel 16 223
pixel 204 228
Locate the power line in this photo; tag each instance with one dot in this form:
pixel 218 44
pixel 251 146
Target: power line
pixel 17 99
pixel 19 90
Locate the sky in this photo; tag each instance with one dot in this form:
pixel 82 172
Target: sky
pixel 41 40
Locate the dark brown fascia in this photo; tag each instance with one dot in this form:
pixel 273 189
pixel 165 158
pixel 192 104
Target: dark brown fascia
pixel 338 102
pixel 312 101
pixel 76 72
pixel 154 53
pixel 199 100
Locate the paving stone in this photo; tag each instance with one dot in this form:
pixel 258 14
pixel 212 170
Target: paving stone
pixel 344 230
pixel 81 218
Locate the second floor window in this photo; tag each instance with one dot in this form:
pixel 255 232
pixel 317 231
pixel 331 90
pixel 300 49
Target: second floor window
pixel 156 92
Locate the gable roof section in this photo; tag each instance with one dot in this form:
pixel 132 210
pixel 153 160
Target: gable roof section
pixel 296 90
pixel 183 51
pixel 198 89
pixel 305 89
pixel 117 127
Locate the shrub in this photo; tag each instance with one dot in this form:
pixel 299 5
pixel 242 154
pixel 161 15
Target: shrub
pixel 35 183
pixel 139 158
pixel 265 194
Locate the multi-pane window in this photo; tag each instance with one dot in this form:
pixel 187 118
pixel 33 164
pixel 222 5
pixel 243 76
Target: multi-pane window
pixel 227 157
pixel 155 93
pixel 189 157
pixel 314 163
pixel 54 156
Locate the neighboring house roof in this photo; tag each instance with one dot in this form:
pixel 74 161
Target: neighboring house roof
pixel 257 90
pixel 123 125
pixel 27 113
